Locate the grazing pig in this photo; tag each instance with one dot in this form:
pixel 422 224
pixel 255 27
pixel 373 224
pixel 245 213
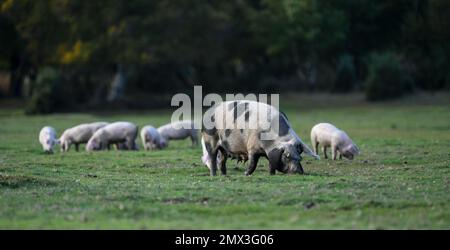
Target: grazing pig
pixel 178 131
pixel 47 138
pixel 122 134
pixel 248 130
pixel 151 139
pixel 79 134
pixel 327 135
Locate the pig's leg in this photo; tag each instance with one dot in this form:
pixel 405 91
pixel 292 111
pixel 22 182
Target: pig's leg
pixel 222 161
pixel 212 151
pixel 66 146
pixel 340 156
pixel 194 139
pixel 253 163
pixel 77 147
pixel 333 152
pixel 213 157
pixel 129 144
pixel 324 149
pixel 272 170
pixel 153 144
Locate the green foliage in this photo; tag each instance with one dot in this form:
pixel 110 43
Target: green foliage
pixel 45 92
pixel 9 42
pixel 229 45
pixel 426 37
pixel 433 71
pixel 345 74
pixel 387 78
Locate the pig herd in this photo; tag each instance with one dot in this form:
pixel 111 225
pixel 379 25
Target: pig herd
pixel 242 130
pixel 121 135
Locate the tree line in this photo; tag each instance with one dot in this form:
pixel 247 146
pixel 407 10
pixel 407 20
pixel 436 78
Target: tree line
pixel 98 50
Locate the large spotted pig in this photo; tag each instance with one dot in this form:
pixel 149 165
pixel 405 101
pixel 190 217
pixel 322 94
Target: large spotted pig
pixel 79 134
pixel 327 135
pixel 178 131
pixel 47 138
pixel 122 134
pixel 248 130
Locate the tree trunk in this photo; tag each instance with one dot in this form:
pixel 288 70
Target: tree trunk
pixel 118 85
pixel 17 76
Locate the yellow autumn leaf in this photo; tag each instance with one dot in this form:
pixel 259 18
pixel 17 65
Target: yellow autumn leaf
pixel 7 5
pixel 75 54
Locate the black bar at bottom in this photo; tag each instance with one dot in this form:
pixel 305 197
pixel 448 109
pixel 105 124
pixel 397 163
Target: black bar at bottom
pixel 204 239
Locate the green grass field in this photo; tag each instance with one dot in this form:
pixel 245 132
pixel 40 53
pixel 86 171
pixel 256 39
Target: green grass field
pixel 401 179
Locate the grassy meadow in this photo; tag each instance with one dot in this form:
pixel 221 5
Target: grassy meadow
pixel 401 180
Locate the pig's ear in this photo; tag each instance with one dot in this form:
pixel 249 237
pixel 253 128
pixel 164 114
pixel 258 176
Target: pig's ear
pixel 303 148
pixel 274 157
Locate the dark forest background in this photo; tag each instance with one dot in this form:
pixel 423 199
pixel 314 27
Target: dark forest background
pixel 66 54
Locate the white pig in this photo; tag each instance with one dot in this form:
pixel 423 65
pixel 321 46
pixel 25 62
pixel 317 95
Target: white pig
pixel 151 139
pixel 122 134
pixel 47 138
pixel 79 134
pixel 327 135
pixel 179 130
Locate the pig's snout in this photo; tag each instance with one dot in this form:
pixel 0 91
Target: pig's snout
pixel 296 168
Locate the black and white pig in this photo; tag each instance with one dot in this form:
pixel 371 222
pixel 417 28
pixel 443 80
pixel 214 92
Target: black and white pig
pixel 248 130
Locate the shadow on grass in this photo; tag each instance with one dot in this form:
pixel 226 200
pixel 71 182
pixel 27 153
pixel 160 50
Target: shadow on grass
pixel 17 181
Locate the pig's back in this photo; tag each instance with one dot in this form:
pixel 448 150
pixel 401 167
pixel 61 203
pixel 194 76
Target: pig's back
pixel 82 132
pixel 151 131
pixel 119 130
pixel 47 132
pixel 176 130
pixel 324 132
